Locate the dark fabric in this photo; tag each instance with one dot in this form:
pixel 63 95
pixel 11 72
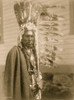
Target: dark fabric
pixel 16 77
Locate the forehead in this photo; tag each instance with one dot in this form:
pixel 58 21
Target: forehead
pixel 29 33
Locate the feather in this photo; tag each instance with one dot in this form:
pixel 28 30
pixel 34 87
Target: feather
pixel 22 6
pixel 22 12
pixel 17 11
pixel 51 61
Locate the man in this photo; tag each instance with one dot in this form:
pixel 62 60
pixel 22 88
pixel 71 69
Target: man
pixel 20 68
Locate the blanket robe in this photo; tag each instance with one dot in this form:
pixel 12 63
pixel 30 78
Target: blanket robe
pixel 16 77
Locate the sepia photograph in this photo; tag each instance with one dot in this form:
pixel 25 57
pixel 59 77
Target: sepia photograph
pixel 36 49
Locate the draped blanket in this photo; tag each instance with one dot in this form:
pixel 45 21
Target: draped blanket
pixel 16 77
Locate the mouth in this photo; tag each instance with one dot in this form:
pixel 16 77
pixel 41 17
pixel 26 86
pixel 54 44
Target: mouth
pixel 28 44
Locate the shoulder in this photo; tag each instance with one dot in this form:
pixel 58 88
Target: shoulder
pixel 13 50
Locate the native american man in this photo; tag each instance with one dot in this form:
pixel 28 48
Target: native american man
pixel 20 66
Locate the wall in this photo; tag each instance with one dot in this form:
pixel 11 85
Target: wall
pixel 10 30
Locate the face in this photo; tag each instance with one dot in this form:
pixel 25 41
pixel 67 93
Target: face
pixel 28 39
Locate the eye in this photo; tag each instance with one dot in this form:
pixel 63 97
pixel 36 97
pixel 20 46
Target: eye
pixel 32 36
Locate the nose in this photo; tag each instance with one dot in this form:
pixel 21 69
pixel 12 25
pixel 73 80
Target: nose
pixel 30 38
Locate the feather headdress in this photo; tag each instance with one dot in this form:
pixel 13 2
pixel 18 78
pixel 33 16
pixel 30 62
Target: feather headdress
pixel 27 14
